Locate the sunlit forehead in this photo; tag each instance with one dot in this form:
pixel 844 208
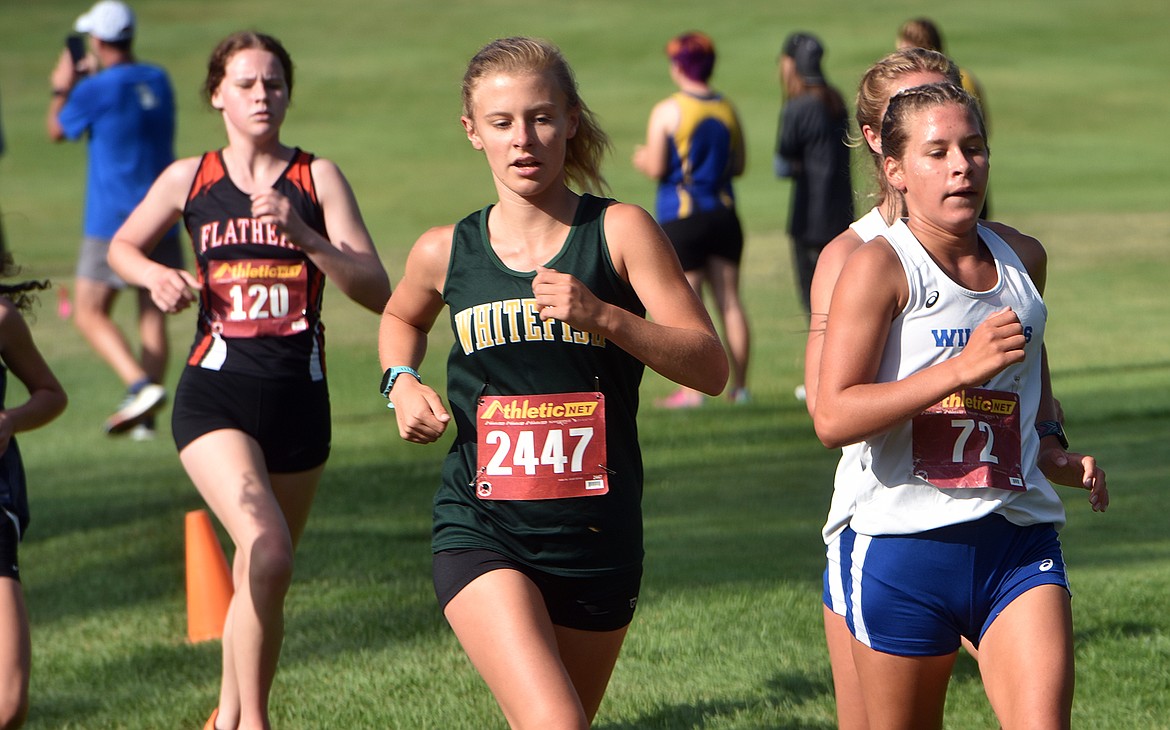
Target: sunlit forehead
pixel 508 95
pixel 945 125
pixel 250 65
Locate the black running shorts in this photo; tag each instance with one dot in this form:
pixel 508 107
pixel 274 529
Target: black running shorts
pixel 290 420
pixel 596 603
pixel 698 237
pixel 9 540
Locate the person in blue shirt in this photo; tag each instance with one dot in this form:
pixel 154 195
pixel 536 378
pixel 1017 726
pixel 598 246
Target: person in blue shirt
pixel 126 112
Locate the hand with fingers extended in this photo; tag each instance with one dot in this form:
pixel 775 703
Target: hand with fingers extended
pixel 1071 469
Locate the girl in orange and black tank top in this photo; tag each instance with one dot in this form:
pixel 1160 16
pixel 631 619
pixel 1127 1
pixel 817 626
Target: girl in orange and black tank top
pixel 260 302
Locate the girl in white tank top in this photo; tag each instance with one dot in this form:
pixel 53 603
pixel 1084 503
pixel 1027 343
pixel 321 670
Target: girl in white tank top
pixel 933 360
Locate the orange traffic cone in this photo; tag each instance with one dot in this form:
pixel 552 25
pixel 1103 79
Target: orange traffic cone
pixel 209 582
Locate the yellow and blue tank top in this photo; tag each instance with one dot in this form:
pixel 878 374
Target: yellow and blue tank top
pixel 701 157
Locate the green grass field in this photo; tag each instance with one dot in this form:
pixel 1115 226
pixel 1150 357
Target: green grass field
pixel 728 631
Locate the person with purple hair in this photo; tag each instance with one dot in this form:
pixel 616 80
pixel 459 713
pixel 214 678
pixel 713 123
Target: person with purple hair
pixel 694 147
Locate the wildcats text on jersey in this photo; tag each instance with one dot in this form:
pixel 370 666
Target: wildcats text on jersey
pixel 951 337
pixel 238 231
pixel 959 337
pixel 512 321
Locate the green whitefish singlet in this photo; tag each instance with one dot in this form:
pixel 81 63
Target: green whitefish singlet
pixel 502 349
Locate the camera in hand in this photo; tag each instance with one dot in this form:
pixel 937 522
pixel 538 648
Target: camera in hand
pixel 76 45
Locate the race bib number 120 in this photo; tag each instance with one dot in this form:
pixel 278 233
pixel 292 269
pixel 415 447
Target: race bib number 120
pixel 258 297
pixel 541 446
pixel 970 439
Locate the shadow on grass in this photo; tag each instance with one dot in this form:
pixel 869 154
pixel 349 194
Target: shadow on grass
pixel 72 498
pixel 93 550
pixel 733 497
pixel 735 493
pixel 790 701
pixel 709 714
pixel 97 687
pixel 1114 631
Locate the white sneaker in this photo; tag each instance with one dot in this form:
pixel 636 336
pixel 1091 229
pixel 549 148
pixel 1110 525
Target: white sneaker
pixel 142 432
pixel 136 408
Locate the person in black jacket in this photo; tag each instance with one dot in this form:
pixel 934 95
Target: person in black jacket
pixel 812 149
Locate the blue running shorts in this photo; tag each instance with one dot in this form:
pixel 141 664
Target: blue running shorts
pixel 835 579
pixel 916 595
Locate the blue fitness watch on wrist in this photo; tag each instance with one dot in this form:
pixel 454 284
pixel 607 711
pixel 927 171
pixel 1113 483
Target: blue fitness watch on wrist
pixel 392 374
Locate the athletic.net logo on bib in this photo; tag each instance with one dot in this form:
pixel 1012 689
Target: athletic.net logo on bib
pixel 258 297
pixel 549 446
pixel 971 438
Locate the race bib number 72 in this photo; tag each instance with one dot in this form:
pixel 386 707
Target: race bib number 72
pixel 541 446
pixel 970 439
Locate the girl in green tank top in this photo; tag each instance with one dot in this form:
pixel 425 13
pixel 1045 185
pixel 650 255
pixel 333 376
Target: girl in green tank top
pixel 557 301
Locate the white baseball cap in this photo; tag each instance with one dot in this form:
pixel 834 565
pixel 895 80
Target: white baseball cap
pixel 109 20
